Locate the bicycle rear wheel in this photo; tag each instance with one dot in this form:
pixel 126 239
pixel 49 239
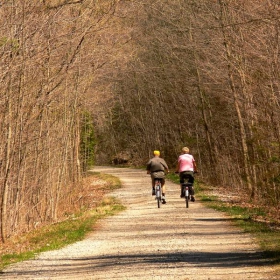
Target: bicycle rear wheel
pixel 158 192
pixel 158 202
pixel 187 197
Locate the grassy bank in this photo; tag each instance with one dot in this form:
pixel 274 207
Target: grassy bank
pixel 60 234
pixel 252 219
pixel 249 217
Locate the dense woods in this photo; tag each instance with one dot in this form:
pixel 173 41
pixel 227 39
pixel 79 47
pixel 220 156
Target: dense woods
pixel 85 81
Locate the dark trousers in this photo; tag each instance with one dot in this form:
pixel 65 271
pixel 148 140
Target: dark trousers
pixel 187 177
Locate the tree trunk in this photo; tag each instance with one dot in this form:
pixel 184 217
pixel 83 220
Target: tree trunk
pixel 224 21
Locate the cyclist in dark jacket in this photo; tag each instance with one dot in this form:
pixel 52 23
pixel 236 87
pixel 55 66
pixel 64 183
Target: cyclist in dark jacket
pixel 156 168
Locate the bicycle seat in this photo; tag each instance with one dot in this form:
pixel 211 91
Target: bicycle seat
pixel 187 184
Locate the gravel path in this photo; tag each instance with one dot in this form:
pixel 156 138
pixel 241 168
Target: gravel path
pixel 144 242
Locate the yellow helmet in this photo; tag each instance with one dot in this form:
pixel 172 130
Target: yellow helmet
pixel 156 153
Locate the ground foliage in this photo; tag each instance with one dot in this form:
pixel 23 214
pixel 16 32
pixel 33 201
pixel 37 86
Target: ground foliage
pixel 256 210
pixel 88 197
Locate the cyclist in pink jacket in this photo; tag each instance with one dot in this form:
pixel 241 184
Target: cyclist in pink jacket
pixel 186 168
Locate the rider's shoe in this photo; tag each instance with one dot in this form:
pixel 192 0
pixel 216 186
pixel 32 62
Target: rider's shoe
pixel 192 198
pixel 163 201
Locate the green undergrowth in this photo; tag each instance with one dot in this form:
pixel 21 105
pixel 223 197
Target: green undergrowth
pixel 58 235
pixel 250 218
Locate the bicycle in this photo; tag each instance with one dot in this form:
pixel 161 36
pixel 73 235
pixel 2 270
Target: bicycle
pixel 158 191
pixel 187 190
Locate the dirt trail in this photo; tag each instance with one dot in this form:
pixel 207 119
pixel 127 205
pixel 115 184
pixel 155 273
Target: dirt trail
pixel 145 242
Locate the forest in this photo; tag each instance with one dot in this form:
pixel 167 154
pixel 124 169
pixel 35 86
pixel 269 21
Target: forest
pixel 91 82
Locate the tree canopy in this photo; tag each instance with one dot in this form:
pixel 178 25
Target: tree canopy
pixel 85 80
